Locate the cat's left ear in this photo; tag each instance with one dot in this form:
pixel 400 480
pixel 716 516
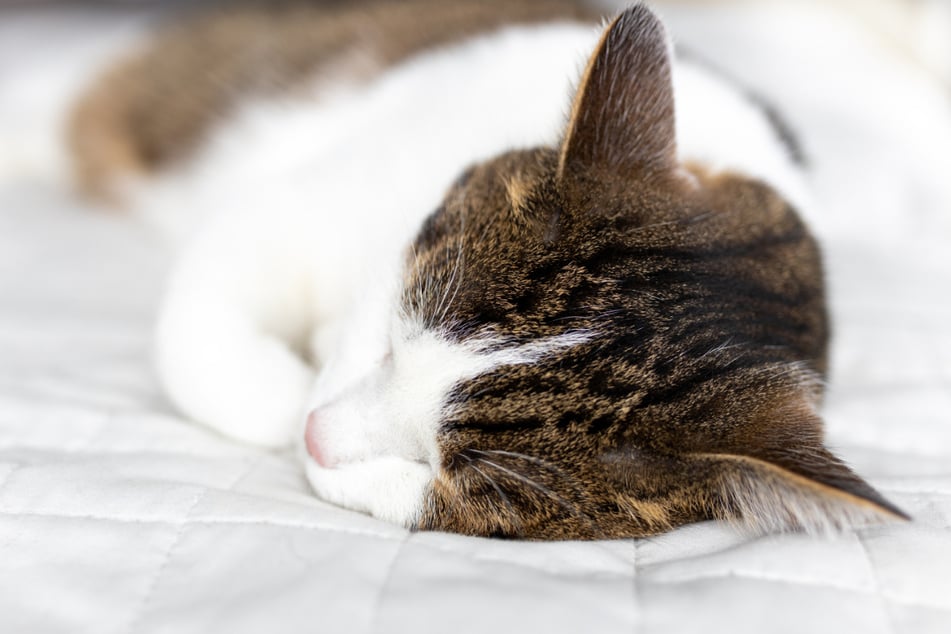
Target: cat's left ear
pixel 805 489
pixel 622 118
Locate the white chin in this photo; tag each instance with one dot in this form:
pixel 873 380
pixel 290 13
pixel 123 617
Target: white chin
pixel 388 487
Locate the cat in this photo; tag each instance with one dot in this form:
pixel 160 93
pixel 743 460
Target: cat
pixel 468 311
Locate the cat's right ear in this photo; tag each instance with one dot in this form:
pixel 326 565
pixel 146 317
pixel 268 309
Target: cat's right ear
pixel 622 117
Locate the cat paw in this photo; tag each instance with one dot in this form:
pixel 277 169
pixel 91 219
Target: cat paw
pixel 222 372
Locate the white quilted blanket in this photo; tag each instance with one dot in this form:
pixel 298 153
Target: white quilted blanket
pixel 118 516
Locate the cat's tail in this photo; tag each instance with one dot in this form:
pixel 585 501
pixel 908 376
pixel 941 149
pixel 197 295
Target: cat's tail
pixel 46 61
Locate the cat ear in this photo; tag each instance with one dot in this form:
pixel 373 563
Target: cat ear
pixel 808 490
pixel 622 118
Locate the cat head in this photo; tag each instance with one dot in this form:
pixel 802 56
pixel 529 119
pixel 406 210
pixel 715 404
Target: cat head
pixel 596 340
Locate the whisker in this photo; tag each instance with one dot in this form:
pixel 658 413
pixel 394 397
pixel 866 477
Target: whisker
pixel 572 508
pixel 498 489
pixel 454 284
pixel 502 496
pixel 513 454
pixel 528 481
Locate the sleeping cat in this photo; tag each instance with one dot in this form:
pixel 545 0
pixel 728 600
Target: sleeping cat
pixel 471 312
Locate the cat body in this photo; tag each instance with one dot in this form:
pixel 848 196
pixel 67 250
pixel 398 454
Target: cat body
pixel 475 304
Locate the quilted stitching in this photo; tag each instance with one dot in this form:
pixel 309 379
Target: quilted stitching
pixel 150 587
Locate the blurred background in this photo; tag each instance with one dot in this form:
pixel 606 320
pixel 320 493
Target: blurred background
pixel 919 29
pixel 44 43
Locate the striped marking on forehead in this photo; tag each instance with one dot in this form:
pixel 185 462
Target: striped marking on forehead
pixel 497 354
pixel 482 353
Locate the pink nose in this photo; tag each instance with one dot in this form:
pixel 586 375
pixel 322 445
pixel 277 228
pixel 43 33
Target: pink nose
pixel 313 442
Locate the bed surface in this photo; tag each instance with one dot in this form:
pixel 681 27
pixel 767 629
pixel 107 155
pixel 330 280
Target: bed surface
pixel 118 516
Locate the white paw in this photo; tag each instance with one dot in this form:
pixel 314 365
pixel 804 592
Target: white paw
pixel 220 370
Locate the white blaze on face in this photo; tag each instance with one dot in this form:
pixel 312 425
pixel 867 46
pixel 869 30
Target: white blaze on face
pixel 373 446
